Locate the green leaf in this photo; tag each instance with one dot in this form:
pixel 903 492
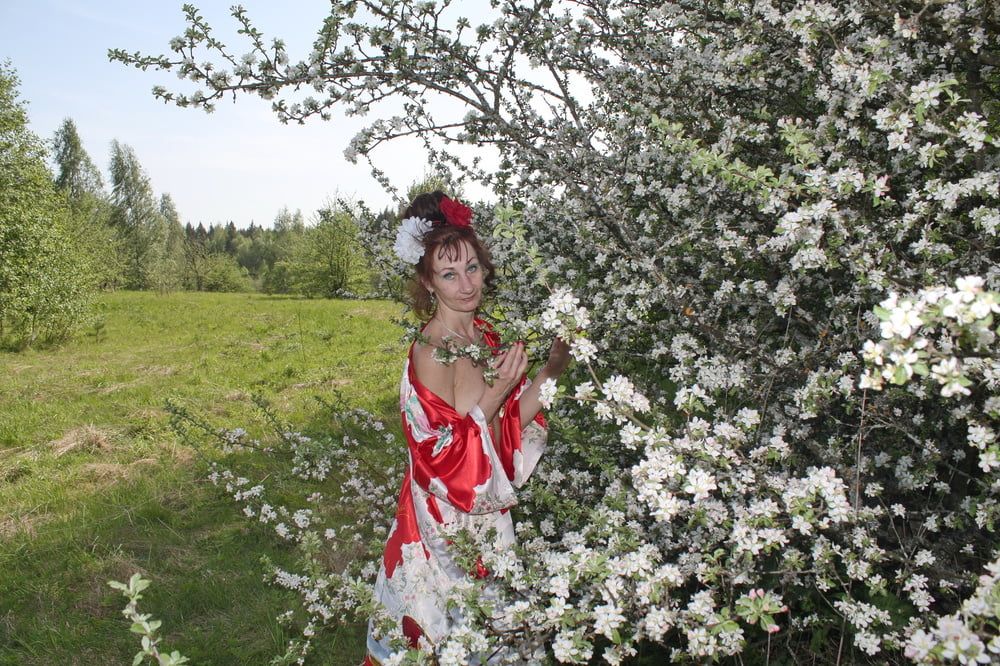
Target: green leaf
pixel 138 583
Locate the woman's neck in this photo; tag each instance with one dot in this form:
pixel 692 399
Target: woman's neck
pixel 461 324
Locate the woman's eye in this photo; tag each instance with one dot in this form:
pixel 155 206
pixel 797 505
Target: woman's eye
pixel 448 276
pixel 473 268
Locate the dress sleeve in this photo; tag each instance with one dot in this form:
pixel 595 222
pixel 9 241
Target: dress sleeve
pixel 520 449
pixel 455 458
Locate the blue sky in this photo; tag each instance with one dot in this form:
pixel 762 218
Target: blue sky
pixel 238 163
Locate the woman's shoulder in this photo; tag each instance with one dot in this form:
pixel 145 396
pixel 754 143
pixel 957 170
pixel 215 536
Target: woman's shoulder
pixel 436 376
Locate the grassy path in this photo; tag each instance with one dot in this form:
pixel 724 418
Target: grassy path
pixel 94 485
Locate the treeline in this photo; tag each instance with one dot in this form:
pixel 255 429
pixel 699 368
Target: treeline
pixel 321 258
pixel 66 233
pixel 143 244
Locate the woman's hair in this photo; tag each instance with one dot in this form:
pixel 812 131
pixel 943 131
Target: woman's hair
pixel 443 240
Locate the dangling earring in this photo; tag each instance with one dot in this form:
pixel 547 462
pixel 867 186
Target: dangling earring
pixel 434 299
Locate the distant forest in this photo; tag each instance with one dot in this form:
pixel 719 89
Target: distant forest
pixel 67 232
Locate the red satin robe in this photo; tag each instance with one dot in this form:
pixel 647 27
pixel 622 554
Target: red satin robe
pixel 458 476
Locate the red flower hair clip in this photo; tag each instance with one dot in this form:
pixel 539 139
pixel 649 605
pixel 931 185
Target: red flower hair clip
pixel 456 212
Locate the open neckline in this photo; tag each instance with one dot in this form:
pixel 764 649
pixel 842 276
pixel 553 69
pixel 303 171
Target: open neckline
pixel 489 337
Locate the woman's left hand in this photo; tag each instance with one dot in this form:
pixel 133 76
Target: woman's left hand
pixel 558 358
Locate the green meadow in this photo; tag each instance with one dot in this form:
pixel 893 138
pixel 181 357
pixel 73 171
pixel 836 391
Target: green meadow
pixel 95 485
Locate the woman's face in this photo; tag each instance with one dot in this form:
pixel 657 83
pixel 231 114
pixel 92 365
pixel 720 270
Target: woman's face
pixel 457 280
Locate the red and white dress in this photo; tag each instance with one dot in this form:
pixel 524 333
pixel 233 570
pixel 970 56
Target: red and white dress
pixel 460 475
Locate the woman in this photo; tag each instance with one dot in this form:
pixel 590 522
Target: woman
pixel 471 418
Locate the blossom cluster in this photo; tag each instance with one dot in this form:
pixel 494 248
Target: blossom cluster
pixel 923 334
pixel 333 499
pixel 564 316
pixel 970 636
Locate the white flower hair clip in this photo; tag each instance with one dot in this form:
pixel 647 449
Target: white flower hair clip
pixel 409 245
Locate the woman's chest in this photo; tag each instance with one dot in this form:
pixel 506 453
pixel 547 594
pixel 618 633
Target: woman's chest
pixel 469 385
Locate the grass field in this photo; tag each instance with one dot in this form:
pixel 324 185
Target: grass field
pixel 94 485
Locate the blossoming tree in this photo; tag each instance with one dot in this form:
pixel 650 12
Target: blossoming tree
pixel 769 229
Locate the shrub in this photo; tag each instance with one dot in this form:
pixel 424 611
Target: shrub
pixel 44 280
pixel 222 273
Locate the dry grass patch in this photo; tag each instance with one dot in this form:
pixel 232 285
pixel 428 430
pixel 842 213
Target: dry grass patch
pixel 220 409
pixel 11 526
pixel 87 438
pixel 111 388
pixel 158 370
pixel 183 455
pixel 148 414
pixel 114 472
pixel 333 383
pixel 13 472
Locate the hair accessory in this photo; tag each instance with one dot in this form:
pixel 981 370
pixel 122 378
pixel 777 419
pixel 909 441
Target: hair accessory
pixel 456 212
pixel 409 245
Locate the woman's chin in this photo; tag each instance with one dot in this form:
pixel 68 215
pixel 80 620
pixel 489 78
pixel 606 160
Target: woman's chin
pixel 470 305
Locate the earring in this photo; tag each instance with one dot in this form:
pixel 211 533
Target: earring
pixel 434 298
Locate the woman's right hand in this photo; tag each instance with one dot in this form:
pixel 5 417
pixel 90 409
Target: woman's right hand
pixel 510 365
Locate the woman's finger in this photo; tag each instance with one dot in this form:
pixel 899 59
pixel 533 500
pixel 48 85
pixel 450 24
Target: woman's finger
pixel 522 365
pixel 520 361
pixel 522 354
pixel 512 362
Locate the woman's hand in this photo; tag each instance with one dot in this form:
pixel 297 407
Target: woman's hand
pixel 510 365
pixel 558 358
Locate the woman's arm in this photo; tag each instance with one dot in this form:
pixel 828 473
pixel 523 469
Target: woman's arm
pixel 553 369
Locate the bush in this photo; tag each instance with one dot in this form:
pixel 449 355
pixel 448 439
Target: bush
pixel 44 280
pixel 278 279
pixel 222 273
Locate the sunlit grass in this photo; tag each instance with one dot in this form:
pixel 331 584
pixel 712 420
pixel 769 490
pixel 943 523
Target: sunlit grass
pixel 94 484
